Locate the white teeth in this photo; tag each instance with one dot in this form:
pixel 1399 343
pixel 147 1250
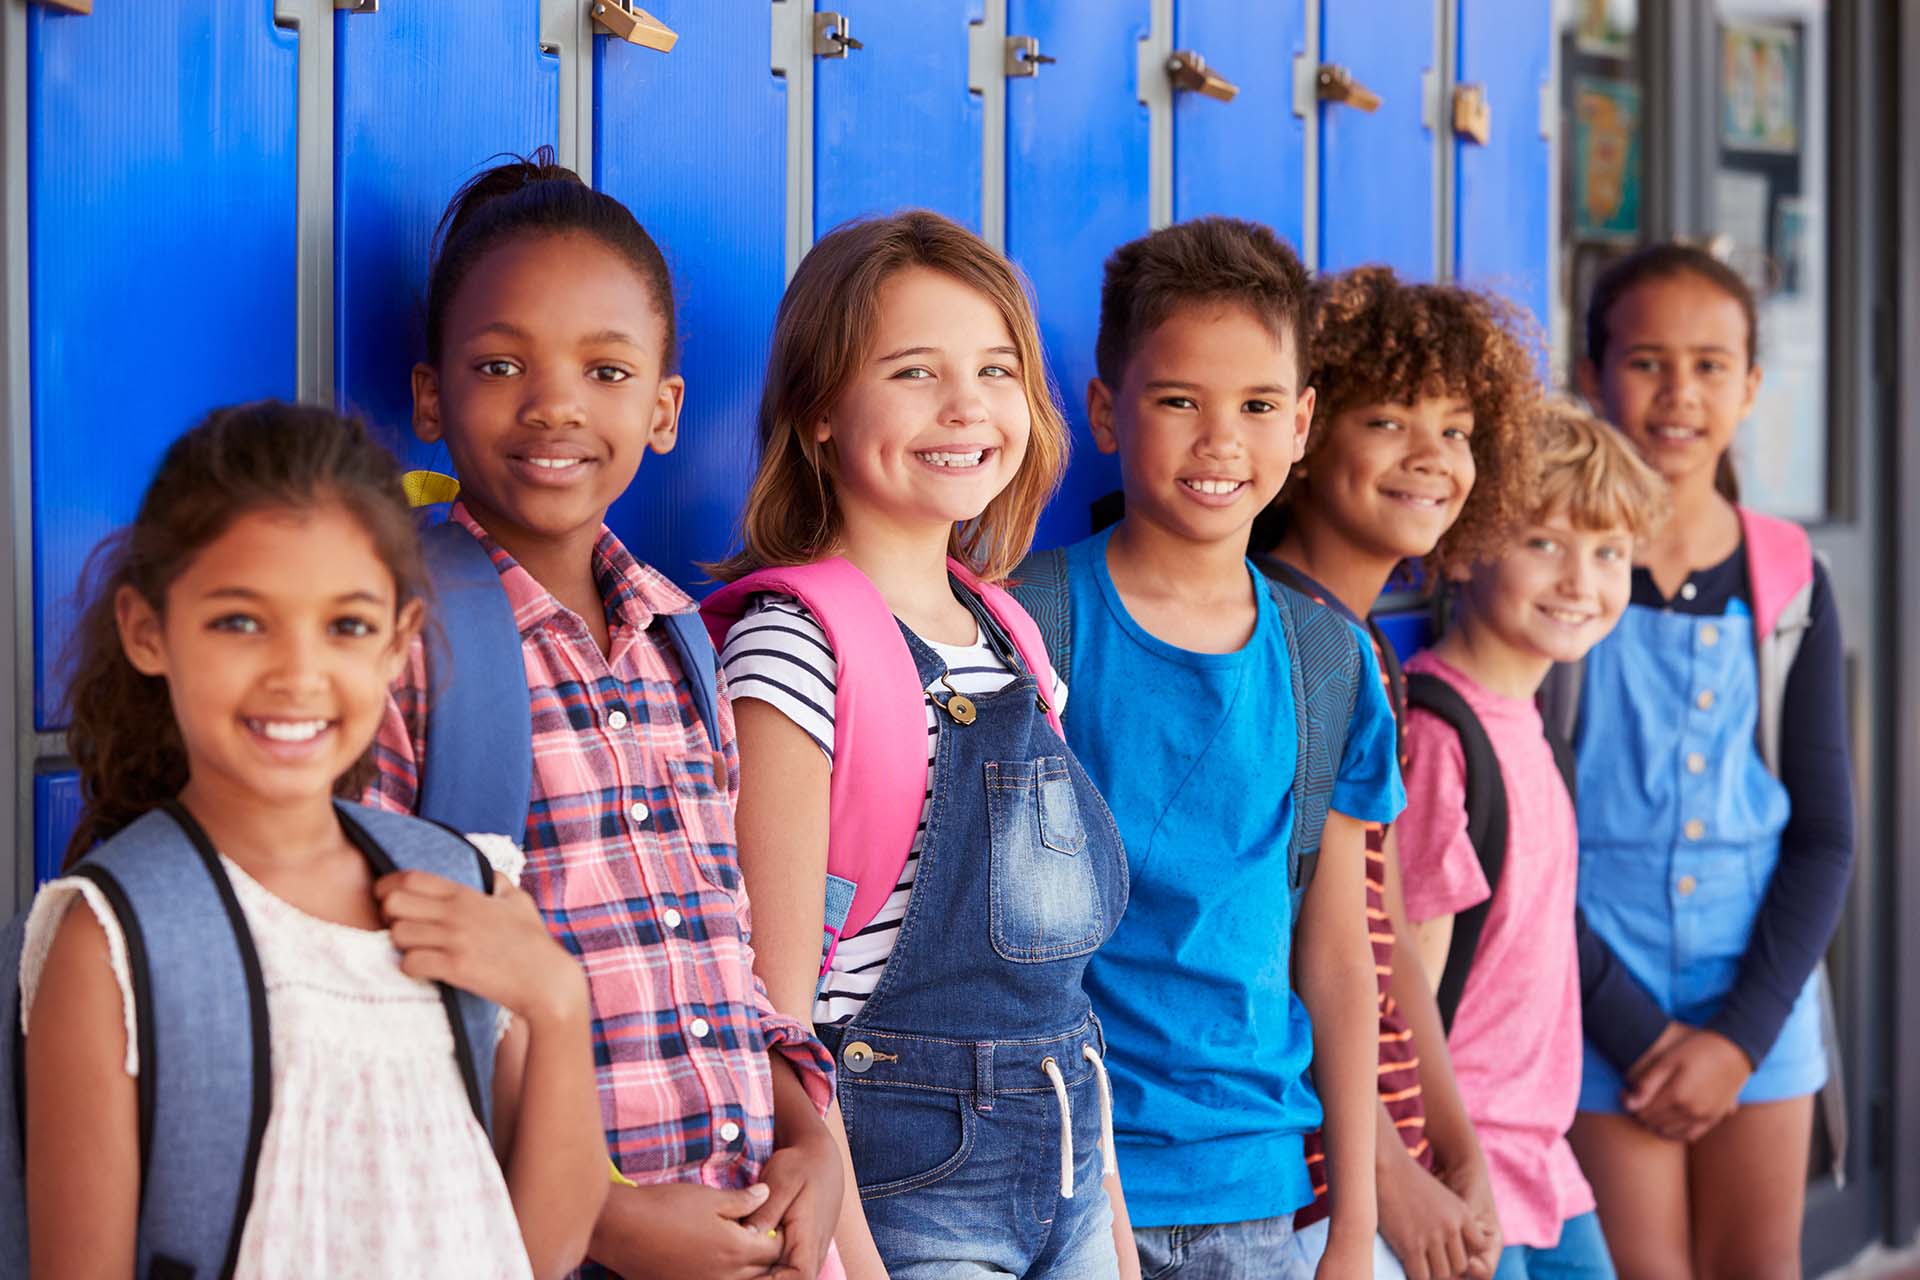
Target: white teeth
pixel 1213 487
pixel 1568 616
pixel 944 459
pixel 1417 500
pixel 556 464
pixel 289 730
pixel 1676 433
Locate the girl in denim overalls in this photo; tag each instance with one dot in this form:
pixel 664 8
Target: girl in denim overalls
pixel 903 780
pixel 1715 805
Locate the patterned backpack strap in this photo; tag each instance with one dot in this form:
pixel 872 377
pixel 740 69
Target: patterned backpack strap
pixel 1323 651
pixel 1040 585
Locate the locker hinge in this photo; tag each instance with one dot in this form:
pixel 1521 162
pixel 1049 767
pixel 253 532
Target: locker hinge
pixel 634 25
pixel 1431 95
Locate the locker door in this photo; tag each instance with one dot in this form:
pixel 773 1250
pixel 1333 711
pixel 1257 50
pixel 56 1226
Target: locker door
pixel 714 198
pixel 426 94
pixel 161 243
pixel 1377 169
pixel 1242 157
pixel 1502 234
pixel 894 124
pixel 56 809
pixel 1076 190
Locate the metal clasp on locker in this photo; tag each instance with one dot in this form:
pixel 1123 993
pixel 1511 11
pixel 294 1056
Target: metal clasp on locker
pixel 831 39
pixel 1189 71
pixel 1024 57
pixel 1472 113
pixel 634 25
pixel 1335 83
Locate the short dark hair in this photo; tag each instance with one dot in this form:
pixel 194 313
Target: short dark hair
pixel 531 196
pixel 1664 262
pixel 1217 260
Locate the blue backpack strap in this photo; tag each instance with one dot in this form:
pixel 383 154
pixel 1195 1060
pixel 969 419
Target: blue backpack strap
pixel 478 768
pixel 13 1090
pixel 1040 585
pixel 395 842
pixel 700 664
pixel 1323 652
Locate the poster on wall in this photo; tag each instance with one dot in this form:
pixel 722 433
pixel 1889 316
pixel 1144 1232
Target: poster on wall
pixel 1606 159
pixel 1759 88
pixel 1790 245
pixel 1605 28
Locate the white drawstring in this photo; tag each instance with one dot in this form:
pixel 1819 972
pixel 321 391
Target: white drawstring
pixel 1107 1165
pixel 1052 1070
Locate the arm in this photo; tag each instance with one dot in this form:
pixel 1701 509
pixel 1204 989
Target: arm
pixel 782 828
pixel 83 1142
pixel 1335 977
pixel 1123 1246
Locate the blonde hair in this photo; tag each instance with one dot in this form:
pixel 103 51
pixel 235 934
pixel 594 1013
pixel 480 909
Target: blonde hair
pixel 821 336
pixel 1589 470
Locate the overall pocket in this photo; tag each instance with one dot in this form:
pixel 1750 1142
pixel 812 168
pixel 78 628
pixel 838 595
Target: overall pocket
pixel 904 1139
pixel 1045 901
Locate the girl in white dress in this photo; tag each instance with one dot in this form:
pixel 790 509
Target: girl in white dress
pixel 235 659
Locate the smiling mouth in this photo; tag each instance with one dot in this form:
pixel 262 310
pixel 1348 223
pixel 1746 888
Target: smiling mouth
pixel 290 732
pixel 1677 435
pixel 556 464
pixel 954 459
pixel 1567 617
pixel 1420 500
pixel 1215 488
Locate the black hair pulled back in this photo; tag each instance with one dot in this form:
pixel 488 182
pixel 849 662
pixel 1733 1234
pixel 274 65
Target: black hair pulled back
pixel 533 196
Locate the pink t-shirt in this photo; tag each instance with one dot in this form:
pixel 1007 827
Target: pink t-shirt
pixel 1516 1035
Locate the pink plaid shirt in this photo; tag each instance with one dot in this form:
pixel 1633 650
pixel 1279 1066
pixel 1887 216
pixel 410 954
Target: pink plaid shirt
pixel 630 856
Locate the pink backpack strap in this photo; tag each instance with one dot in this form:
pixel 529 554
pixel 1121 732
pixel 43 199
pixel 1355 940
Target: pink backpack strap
pixel 1019 624
pixel 879 732
pixel 1779 567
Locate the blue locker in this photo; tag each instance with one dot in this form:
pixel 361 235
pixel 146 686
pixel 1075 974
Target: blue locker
pixel 1407 631
pixel 1376 170
pixel 1076 190
pixel 425 95
pixel 56 810
pixel 161 239
pixel 1502 234
pixel 1243 157
pixel 894 125
pixel 714 197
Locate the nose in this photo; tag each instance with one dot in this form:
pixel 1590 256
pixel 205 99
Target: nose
pixel 1678 383
pixel 1426 453
pixel 552 400
pixel 1218 434
pixel 963 405
pixel 298 665
pixel 1577 576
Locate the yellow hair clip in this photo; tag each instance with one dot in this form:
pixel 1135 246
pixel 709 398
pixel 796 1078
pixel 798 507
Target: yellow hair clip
pixel 425 488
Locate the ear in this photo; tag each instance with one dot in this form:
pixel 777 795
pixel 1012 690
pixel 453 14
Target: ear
pixel 142 633
pixel 664 431
pixel 1100 416
pixel 406 626
pixel 426 404
pixel 1586 377
pixel 1302 422
pixel 1753 391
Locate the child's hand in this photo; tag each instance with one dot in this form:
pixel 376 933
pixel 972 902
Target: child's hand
pixel 493 945
pixel 1348 1256
pixel 683 1231
pixel 1473 1185
pixel 804 1205
pixel 1693 1083
pixel 1432 1229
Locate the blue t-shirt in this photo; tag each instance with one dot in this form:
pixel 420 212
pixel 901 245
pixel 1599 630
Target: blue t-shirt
pixel 1207 1043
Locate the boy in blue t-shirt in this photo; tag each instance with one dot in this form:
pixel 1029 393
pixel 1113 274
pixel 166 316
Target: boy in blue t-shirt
pixel 1182 713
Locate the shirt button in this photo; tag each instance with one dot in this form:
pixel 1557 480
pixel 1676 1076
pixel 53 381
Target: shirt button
pixel 1687 885
pixel 1688 591
pixel 1709 635
pixel 1696 763
pixel 1695 828
pixel 616 719
pixel 699 1028
pixel 729 1132
pixel 638 813
pixel 1705 700
pixel 672 917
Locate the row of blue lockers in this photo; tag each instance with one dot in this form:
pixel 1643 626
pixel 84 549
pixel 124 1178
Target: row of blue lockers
pixel 163 197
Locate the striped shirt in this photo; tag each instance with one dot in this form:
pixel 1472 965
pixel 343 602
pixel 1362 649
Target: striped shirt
pixel 631 859
pixel 779 654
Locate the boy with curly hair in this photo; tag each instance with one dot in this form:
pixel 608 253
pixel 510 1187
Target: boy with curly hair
pixel 1419 452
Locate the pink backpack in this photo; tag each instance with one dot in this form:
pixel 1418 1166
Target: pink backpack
pixel 879 728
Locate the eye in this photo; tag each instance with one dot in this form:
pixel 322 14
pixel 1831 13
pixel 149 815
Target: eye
pixel 1459 433
pixel 1259 406
pixel 1643 364
pixel 1178 402
pixel 1713 368
pixel 608 373
pixel 1543 544
pixel 998 371
pixel 1612 555
pixel 1384 424
pixel 497 368
pixel 240 624
pixel 915 373
pixel 353 628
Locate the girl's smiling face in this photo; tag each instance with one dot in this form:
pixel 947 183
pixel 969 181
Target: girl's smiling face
pixel 935 421
pixel 278 643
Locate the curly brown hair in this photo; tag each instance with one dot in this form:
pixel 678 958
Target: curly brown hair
pixel 1380 339
pixel 254 457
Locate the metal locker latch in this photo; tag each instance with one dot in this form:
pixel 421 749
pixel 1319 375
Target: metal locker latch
pixel 1336 84
pixel 830 36
pixel 1189 71
pixel 1024 57
pixel 1472 113
pixel 636 26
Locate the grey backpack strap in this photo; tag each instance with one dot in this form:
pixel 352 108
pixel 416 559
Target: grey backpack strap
pixel 1323 651
pixel 1040 585
pixel 396 842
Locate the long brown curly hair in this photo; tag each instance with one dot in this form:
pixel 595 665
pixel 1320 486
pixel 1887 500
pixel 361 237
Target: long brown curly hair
pixel 1380 339
pixel 237 461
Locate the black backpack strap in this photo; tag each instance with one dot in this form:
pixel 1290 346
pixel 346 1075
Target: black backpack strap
pixel 1040 586
pixel 1486 826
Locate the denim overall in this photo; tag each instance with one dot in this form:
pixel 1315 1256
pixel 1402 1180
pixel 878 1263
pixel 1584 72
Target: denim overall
pixel 975 1101
pixel 1680 826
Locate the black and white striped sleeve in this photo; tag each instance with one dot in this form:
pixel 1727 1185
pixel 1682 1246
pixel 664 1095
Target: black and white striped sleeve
pixel 778 653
